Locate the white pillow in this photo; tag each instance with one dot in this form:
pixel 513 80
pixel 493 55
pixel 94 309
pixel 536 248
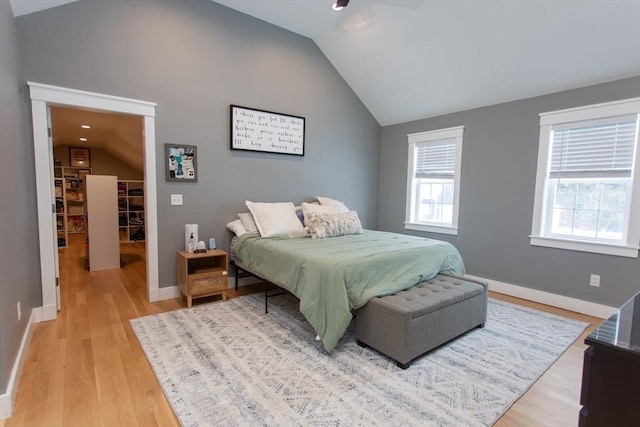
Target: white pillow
pixel 236 228
pixel 276 219
pixel 331 225
pixel 325 201
pixel 248 223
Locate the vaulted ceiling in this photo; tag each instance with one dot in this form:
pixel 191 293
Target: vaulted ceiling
pixel 411 59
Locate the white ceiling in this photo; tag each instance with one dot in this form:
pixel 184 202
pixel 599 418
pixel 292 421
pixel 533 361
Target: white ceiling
pixel 411 59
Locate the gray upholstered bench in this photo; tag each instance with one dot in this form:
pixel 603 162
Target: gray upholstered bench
pixel 411 322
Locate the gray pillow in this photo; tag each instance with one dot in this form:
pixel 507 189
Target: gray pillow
pixel 248 223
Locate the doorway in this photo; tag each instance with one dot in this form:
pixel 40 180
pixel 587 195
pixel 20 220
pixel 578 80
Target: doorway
pixel 45 96
pixel 88 143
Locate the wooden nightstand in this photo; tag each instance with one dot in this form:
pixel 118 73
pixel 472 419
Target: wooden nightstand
pixel 202 274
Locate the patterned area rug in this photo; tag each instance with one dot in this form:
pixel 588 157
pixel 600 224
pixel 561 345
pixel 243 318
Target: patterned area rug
pixel 229 363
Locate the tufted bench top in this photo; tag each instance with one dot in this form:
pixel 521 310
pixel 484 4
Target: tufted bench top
pixel 432 295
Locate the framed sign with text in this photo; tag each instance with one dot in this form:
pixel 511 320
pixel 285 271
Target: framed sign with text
pixel 266 131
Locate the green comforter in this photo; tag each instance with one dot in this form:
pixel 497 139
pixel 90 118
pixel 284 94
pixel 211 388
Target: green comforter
pixel 335 275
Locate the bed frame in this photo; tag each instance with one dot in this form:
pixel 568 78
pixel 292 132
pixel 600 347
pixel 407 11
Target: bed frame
pixel 241 272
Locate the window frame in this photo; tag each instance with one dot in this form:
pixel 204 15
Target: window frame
pixel 434 136
pixel 595 112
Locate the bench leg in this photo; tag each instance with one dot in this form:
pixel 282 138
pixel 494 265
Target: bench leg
pixel 403 365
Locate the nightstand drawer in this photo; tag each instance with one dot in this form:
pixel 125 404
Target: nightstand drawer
pixel 202 283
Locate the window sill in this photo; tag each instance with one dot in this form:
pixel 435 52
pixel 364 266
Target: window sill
pixel 443 229
pixel 574 245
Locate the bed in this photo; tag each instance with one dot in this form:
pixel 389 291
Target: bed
pixel 334 275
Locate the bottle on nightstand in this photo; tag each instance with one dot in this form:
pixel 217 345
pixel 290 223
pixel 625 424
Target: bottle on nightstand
pixel 191 244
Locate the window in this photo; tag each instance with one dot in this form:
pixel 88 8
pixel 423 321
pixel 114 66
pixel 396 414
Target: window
pixel 433 184
pixel 588 184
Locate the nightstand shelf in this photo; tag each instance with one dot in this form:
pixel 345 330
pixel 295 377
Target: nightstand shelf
pixel 202 274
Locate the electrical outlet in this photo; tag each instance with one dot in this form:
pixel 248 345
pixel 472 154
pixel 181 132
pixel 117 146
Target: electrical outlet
pixel 19 312
pixel 176 199
pixel 595 280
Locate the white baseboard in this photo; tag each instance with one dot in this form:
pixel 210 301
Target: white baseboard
pixel 554 300
pixel 48 312
pixel 162 294
pixel 7 399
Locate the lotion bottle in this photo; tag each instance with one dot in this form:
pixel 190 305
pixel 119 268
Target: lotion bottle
pixel 191 244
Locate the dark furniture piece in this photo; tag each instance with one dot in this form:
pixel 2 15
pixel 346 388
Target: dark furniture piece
pixel 611 373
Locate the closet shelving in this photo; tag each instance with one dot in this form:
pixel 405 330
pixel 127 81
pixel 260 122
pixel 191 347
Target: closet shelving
pixel 61 216
pixel 131 219
pixel 70 216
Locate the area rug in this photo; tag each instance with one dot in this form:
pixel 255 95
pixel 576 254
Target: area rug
pixel 229 363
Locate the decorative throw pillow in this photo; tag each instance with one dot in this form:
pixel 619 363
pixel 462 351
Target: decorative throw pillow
pixel 321 225
pixel 276 219
pixel 325 201
pixel 308 208
pixel 248 223
pixel 236 228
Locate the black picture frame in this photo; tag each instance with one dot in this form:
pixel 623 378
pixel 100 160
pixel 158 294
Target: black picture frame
pixel 181 162
pixel 265 131
pixel 79 157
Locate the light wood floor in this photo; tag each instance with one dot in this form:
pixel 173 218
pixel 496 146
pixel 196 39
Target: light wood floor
pixel 87 369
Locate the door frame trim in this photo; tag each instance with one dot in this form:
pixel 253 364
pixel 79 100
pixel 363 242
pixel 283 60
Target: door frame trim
pixel 46 95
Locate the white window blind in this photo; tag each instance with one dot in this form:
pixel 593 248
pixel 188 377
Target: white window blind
pixel 603 149
pixel 436 160
pixel 433 180
pixel 587 195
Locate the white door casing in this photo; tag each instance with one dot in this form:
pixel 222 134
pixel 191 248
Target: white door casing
pixel 41 97
pixel 54 206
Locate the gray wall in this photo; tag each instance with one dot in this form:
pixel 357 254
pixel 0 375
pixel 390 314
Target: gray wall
pixel 19 260
pixel 499 158
pixel 194 58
